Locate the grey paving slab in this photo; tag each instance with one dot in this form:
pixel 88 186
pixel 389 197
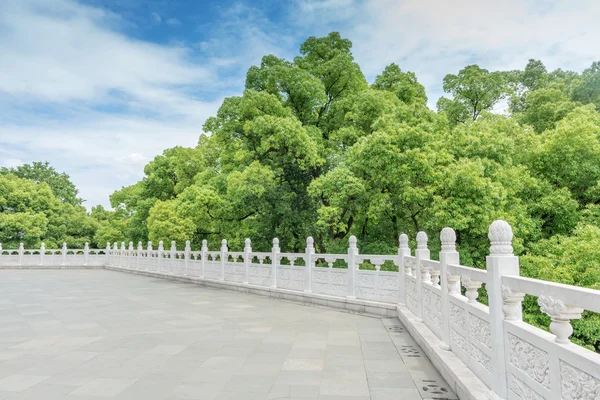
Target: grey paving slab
pixel 92 334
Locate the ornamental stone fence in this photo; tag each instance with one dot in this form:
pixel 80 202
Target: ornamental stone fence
pixel 483 351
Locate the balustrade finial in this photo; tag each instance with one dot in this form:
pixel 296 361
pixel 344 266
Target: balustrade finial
pixel 421 240
pixel 404 241
pixel 310 242
pixel 352 241
pixel 500 235
pixel 448 239
pixel 86 246
pixel 204 244
pixel 247 242
pixel 275 242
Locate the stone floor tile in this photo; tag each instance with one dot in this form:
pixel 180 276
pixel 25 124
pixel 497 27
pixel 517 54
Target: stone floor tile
pixel 303 364
pixel 104 387
pixel 17 383
pixel 133 337
pixel 380 379
pixel 344 387
pixel 395 394
pixel 165 349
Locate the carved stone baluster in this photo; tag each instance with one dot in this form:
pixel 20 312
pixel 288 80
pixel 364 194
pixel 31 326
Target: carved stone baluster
pixel 512 304
pixel 425 275
pixel 435 277
pixel 472 287
pixel 454 284
pixel 561 315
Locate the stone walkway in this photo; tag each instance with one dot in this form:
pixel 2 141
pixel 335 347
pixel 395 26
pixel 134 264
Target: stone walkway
pixel 91 334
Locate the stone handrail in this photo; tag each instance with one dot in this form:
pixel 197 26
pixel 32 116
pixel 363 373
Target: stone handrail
pixel 505 356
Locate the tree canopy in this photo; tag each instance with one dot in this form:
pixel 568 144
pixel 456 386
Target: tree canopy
pixel 39 172
pixel 310 148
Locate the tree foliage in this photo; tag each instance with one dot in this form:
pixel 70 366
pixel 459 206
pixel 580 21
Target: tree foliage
pixel 311 149
pixel 39 172
pixel 30 213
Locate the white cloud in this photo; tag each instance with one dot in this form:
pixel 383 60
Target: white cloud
pixel 11 162
pixel 434 37
pixel 77 91
pixel 97 104
pixel 173 22
pixel 74 54
pixel 105 153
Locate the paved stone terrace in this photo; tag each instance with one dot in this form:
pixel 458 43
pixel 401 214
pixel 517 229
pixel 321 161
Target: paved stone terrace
pixel 91 334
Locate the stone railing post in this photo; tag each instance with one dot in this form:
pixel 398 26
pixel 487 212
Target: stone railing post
pixel 186 257
pixel 115 253
pixel 203 257
pixel 20 253
pixel 172 256
pixel 64 254
pixel 149 262
pixel 122 257
pixel 130 256
pixel 352 266
pixel 247 259
pixel 403 251
pixel 107 253
pixel 421 253
pixel 224 256
pixel 310 254
pixel 448 255
pixel 274 262
pixel 138 259
pixel 161 252
pixel 42 252
pixel 86 252
pixel 501 261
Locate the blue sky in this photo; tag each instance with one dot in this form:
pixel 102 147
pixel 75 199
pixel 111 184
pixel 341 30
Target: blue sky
pixel 99 87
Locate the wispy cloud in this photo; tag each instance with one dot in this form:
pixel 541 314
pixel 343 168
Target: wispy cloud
pixel 433 38
pixel 79 90
pixel 98 104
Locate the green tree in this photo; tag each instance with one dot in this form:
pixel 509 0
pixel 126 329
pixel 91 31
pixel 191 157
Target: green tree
pixel 403 84
pixel 587 91
pixel 474 90
pixel 30 213
pixel 39 172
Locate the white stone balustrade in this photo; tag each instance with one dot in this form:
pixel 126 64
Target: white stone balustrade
pixel 482 350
